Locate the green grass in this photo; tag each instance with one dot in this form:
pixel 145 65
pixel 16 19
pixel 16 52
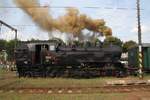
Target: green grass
pixel 51 82
pixel 16 96
pixel 10 80
pixel 1 71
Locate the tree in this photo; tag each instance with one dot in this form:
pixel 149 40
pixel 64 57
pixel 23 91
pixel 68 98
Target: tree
pixel 129 44
pixel 10 49
pixel 112 40
pixel 33 40
pixel 3 44
pixel 96 42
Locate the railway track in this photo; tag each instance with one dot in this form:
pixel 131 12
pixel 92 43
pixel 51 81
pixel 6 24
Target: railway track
pixel 79 90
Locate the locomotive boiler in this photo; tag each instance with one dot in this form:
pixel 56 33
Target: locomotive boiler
pixel 52 59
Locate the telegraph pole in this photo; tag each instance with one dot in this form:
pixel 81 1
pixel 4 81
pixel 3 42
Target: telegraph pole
pixel 139 40
pixel 0 27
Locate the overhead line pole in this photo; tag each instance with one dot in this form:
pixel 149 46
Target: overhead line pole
pixel 5 24
pixel 139 40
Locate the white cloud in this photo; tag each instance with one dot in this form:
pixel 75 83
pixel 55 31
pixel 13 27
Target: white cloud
pixel 121 22
pixel 145 33
pixel 7 35
pixel 144 28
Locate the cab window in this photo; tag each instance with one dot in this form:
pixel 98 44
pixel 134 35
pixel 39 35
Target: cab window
pixel 52 48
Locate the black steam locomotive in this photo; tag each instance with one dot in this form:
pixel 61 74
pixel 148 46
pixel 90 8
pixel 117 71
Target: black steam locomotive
pixel 52 59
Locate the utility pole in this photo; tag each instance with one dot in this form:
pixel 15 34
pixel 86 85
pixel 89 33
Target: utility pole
pixel 0 26
pixel 139 40
pixel 13 29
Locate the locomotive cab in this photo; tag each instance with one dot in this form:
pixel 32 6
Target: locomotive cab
pixel 43 52
pixel 40 53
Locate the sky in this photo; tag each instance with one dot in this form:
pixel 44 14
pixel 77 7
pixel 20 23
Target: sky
pixel 122 21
